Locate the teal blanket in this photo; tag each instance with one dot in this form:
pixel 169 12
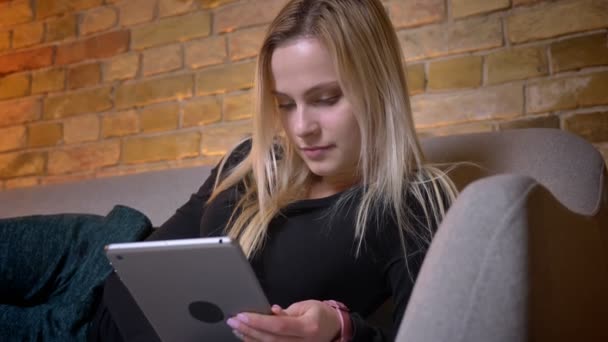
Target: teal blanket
pixel 52 269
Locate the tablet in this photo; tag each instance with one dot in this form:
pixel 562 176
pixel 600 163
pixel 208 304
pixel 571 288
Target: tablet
pixel 188 288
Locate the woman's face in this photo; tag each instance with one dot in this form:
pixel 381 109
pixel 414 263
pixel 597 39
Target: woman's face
pixel 315 114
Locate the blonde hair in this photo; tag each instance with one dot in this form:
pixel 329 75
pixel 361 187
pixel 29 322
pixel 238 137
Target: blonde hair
pixel 363 44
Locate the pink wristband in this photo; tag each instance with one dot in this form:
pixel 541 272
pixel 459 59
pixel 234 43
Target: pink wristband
pixel 346 328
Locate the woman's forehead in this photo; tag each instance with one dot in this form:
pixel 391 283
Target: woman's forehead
pixel 301 64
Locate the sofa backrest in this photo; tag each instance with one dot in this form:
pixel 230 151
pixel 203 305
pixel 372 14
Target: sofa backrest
pixel 156 194
pixel 568 166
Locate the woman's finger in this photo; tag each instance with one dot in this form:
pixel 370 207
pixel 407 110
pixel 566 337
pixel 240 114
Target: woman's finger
pixel 238 335
pixel 282 325
pixel 250 334
pixel 277 310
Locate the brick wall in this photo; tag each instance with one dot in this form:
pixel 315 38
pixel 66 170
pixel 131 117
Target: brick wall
pixel 94 88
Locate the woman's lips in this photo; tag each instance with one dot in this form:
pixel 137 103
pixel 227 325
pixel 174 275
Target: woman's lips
pixel 316 152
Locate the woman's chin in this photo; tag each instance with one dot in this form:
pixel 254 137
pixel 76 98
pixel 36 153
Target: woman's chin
pixel 321 170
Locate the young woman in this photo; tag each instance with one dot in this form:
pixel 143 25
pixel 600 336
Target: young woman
pixel 330 198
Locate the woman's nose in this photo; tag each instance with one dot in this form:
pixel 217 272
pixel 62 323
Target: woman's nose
pixel 305 123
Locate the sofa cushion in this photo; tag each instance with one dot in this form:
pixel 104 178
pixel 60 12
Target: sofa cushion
pixel 52 268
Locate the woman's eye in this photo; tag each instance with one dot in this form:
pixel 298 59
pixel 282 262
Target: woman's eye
pixel 286 106
pixel 328 100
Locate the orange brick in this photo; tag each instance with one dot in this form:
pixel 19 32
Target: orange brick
pixel 48 80
pixel 516 64
pixel 214 3
pixel 122 67
pixel 580 52
pixel 504 101
pixel 61 28
pixel 165 147
pixel 461 72
pixel 136 11
pixel 245 14
pixel 466 35
pixel 47 8
pixel 170 30
pixel 101 46
pixel 81 129
pixel 567 93
pixel 120 124
pixel 27 35
pixel 15 85
pixel 98 19
pixel 225 78
pixel 12 138
pixel 5 40
pixel 557 18
pixel 19 111
pixel 84 75
pixel 545 121
pixel 154 91
pixel 218 139
pixel 163 117
pixel 15 12
pixel 205 52
pixel 202 111
pixel 26 60
pixel 238 107
pixel 84 158
pixel 475 127
pixel 416 78
pixel 172 7
pixel 21 164
pixel 409 13
pixel 44 134
pixel 591 126
pixel 465 8
pixel 74 103
pixel 21 182
pixel 162 59
pixel 246 43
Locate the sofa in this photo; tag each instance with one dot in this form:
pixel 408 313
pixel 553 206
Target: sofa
pixel 521 256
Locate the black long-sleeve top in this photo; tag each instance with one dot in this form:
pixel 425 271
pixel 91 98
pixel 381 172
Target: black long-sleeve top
pixel 308 254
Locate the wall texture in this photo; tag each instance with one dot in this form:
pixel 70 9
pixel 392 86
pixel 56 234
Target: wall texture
pixel 94 88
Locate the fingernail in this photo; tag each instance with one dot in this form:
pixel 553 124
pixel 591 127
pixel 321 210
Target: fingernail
pixel 242 318
pixel 233 323
pixel 238 335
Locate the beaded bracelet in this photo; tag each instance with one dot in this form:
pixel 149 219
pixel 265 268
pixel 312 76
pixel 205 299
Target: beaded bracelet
pixel 346 328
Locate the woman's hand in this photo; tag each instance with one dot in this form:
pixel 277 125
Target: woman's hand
pixel 309 320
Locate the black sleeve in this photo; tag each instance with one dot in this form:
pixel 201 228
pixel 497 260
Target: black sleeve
pixel 186 220
pixel 400 278
pixel 399 272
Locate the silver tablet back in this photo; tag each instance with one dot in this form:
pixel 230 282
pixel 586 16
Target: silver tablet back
pixel 189 288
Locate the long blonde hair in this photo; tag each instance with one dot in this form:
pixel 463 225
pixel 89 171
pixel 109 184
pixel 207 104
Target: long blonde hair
pixel 365 50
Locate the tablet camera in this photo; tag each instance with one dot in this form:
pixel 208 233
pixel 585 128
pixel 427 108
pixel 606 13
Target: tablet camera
pixel 206 312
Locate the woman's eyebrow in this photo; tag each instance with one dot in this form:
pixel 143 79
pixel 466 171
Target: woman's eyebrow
pixel 319 87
